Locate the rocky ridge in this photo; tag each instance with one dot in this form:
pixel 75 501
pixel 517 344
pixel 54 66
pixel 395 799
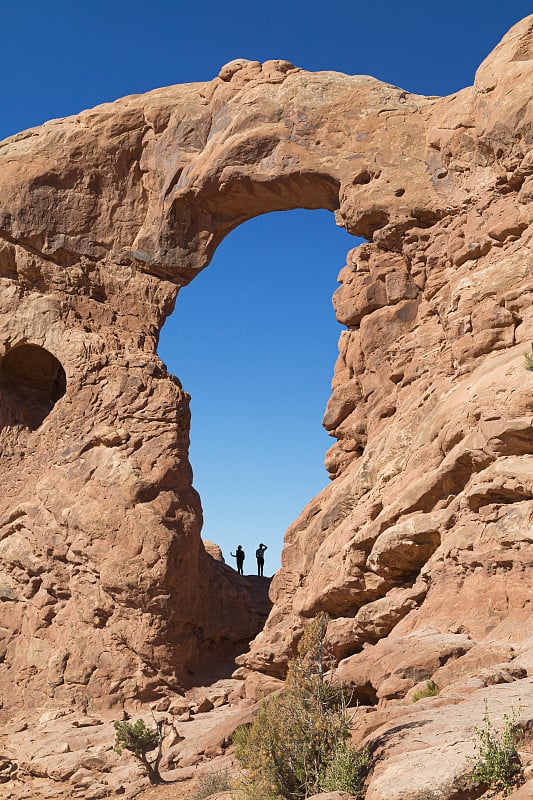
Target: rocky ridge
pixel 420 549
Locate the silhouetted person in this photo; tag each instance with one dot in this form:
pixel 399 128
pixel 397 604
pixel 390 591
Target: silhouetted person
pixel 239 555
pixel 260 555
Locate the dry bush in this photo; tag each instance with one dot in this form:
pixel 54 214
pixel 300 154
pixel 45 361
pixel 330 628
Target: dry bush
pixel 213 782
pixel 298 745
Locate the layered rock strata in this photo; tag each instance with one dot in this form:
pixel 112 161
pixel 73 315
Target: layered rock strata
pixel 107 592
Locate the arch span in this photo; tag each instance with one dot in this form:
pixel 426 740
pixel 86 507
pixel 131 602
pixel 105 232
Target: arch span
pixel 159 181
pixel 107 511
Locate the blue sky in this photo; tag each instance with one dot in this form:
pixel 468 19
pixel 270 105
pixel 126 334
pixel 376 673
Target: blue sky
pixel 253 339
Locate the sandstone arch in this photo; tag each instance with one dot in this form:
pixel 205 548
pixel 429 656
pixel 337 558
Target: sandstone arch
pixel 104 216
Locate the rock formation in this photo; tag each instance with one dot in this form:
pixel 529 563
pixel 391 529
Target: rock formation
pixel 421 547
pixel 428 519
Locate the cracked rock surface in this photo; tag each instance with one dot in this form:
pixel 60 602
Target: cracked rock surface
pixel 421 547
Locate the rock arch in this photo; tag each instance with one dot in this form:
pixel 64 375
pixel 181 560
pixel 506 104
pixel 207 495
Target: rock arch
pixel 105 215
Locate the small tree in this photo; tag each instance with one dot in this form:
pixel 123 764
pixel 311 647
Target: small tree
pixel 140 741
pixel 298 744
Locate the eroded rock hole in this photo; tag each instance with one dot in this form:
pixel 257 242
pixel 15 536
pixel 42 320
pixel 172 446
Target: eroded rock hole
pixel 32 380
pixel 254 339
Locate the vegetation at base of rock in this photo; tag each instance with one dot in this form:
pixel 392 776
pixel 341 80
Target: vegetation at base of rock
pixel 346 770
pixel 298 745
pixel 431 690
pixel 528 359
pixel 211 783
pixel 140 740
pixel 496 762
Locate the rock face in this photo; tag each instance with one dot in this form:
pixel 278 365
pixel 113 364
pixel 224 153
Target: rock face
pixel 423 541
pixel 427 524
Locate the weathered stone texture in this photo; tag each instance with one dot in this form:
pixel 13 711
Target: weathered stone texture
pixel 420 549
pixel 428 519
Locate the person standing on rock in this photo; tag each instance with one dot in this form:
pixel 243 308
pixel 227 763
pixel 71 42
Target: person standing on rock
pixel 260 555
pixel 240 556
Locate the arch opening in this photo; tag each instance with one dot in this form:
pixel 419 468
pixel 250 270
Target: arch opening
pixel 32 380
pixel 253 338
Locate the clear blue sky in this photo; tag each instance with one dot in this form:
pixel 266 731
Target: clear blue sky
pixel 253 339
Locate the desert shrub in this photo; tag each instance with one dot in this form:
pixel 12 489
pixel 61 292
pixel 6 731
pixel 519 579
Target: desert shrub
pixel 496 764
pixel 298 745
pixel 211 783
pixel 528 359
pixel 431 690
pixel 346 768
pixel 139 741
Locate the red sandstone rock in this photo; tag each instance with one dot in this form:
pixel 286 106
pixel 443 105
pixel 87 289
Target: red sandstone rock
pixel 107 594
pixel 213 550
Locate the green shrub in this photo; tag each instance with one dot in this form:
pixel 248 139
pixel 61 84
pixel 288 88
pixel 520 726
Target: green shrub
pixel 344 771
pixel 528 359
pixel 139 741
pixel 496 763
pixel 298 745
pixel 211 783
pixel 431 690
